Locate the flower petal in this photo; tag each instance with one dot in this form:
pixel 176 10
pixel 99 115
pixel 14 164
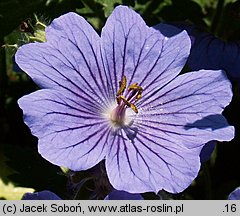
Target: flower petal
pixel 207 151
pixel 209 52
pixel 70 60
pixel 68 135
pixel 122 195
pixel 144 164
pixel 42 195
pixel 142 53
pixel 188 110
pixel 169 132
pixel 235 195
pixel 16 68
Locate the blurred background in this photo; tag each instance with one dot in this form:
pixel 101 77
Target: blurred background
pixel 22 169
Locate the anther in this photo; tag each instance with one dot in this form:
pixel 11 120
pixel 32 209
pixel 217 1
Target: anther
pixel 122 85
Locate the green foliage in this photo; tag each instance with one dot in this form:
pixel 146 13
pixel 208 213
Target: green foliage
pixel 21 167
pixel 108 5
pixel 229 23
pixel 183 10
pixel 10 192
pixel 12 11
pixel 7 188
pixel 93 12
pixel 30 170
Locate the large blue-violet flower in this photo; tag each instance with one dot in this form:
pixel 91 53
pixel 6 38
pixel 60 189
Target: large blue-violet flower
pixel 210 52
pixel 42 195
pixel 49 195
pixel 234 195
pixel 122 195
pixel 118 97
pixel 207 151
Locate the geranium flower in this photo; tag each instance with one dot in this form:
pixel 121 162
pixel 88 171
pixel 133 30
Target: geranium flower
pixel 16 68
pixel 41 195
pixel 122 195
pixel 49 195
pixel 235 195
pixel 210 52
pixel 207 151
pixel 118 97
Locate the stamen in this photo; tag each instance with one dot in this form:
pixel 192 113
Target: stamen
pixel 135 93
pixel 124 100
pixel 134 108
pixel 122 85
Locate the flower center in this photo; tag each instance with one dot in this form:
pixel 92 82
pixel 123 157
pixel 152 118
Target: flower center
pixel 124 100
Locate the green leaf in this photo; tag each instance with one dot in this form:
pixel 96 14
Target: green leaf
pixel 93 12
pixel 7 189
pixel 229 24
pixel 108 5
pixel 9 192
pixel 183 10
pixel 5 170
pixel 151 10
pixel 32 171
pixel 12 12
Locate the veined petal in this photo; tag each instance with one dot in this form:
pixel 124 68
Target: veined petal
pixel 144 164
pixel 143 54
pixel 170 129
pixel 152 147
pixel 188 110
pixel 70 59
pixel 68 135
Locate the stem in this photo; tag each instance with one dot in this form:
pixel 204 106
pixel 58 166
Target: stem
pixel 207 182
pixel 217 16
pixel 3 87
pixel 3 77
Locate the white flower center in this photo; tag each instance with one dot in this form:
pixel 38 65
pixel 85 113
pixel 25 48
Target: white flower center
pixel 118 115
